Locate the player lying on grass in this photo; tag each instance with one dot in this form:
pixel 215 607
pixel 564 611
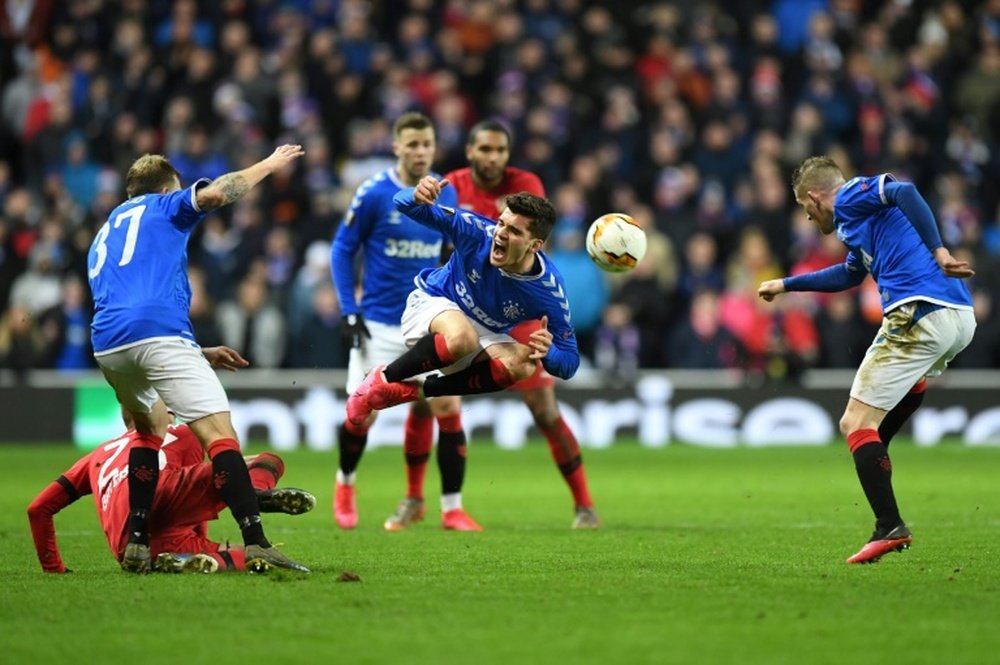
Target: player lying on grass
pixel 458 317
pixel 187 497
pixel 891 233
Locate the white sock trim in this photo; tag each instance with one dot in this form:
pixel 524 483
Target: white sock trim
pixel 451 501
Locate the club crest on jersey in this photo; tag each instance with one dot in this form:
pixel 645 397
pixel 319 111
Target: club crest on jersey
pixel 512 311
pixel 473 275
pixel 395 217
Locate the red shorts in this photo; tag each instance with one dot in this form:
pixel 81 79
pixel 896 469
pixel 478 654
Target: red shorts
pixel 540 379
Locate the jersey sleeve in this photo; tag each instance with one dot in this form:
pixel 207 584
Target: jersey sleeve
pixel 466 230
pixel 351 233
pixel 182 205
pixel 904 195
pixel 563 358
pixel 41 512
pixel 448 198
pixel 839 277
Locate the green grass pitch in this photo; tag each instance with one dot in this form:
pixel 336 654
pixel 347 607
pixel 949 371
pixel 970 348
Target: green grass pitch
pixel 706 556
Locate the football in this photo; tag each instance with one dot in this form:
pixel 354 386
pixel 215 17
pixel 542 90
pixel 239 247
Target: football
pixel 616 242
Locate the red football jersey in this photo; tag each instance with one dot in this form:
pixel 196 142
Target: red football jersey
pixel 104 473
pixel 490 204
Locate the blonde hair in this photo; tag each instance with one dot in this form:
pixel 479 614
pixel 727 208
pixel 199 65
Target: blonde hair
pixel 816 174
pixel 148 174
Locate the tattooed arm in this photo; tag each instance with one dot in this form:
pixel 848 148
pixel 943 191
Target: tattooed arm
pixel 228 187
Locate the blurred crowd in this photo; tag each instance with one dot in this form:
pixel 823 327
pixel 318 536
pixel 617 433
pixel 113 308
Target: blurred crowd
pixel 688 114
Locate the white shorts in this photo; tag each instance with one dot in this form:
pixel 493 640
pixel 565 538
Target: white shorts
pixel 904 352
pixel 171 369
pixel 386 344
pixel 422 309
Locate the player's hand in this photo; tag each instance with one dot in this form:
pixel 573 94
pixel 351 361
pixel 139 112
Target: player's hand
pixel 428 189
pixel 353 330
pixel 540 341
pixel 769 289
pixel 952 266
pixel 222 357
pixel 284 155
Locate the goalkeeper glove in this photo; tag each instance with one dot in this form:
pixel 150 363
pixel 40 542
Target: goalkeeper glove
pixel 353 329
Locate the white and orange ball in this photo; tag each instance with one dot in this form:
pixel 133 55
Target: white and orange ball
pixel 616 242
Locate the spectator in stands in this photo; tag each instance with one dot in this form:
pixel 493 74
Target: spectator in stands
pixel 700 341
pixel 307 312
pixel 845 336
pixel 617 349
pixel 252 325
pixel 38 288
pixel 23 346
pixel 71 327
pixel 202 310
pixel 647 292
pixel 700 270
pixel 321 325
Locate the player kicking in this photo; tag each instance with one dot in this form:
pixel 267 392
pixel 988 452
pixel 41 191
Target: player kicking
pixel 891 233
pixel 482 188
pixel 186 499
pixel 144 344
pixel 457 318
pixel 394 249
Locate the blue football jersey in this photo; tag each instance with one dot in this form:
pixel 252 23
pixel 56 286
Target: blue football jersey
pixel 493 297
pixel 137 269
pixel 882 241
pixel 394 249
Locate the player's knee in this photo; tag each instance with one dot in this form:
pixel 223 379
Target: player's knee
pixel 852 423
pixel 519 364
pixel 462 342
pixel 845 425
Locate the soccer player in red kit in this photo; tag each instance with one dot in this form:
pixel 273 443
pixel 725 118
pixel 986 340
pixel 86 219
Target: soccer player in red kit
pixel 186 499
pixel 482 187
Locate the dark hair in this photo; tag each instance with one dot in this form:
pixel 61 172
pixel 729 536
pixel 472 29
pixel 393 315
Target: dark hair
pixel 410 120
pixel 539 210
pixel 488 126
pixel 149 174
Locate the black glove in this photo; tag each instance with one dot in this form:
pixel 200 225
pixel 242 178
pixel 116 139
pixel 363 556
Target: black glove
pixel 353 329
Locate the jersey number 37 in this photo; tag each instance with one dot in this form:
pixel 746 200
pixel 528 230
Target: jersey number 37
pixel 134 217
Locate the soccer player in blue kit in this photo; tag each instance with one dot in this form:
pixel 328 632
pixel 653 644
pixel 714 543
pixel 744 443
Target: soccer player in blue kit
pixel 890 232
pixel 145 346
pixel 457 318
pixel 394 249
